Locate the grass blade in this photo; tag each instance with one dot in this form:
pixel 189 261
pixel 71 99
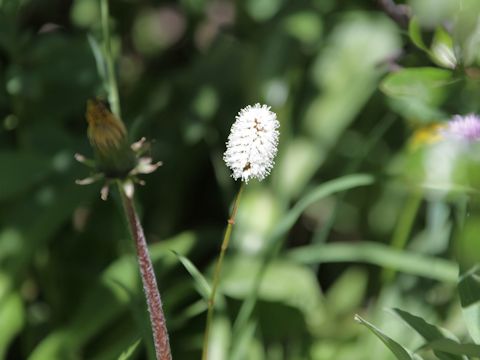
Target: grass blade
pixel 127 354
pixel 398 350
pixel 200 283
pixel 469 293
pixel 326 189
pixel 428 331
pixel 453 347
pixel 380 255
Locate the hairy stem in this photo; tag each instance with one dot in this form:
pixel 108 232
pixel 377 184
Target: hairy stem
pixel 154 301
pixel 149 281
pixel 218 270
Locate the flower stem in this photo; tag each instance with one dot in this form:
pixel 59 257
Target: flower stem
pixel 218 270
pixel 149 281
pixel 112 88
pixel 154 301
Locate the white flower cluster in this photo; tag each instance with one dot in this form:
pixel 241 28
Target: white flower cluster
pixel 252 143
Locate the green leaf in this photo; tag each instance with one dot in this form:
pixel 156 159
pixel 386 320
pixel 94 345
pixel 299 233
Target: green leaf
pixel 442 49
pixel 127 354
pixel 12 318
pixel 453 347
pixel 398 350
pixel 348 292
pixel 377 254
pixel 243 343
pixel 469 293
pixel 305 26
pixel 200 283
pixel 284 281
pixel 220 338
pixel 415 33
pixel 428 331
pixel 327 117
pixel 466 36
pixel 262 10
pixel 107 299
pixel 423 82
pixel 326 189
pixel 417 92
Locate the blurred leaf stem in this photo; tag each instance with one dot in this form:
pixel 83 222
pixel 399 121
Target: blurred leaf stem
pixel 404 228
pixel 218 270
pixel 111 85
pixel 154 302
pixel 321 235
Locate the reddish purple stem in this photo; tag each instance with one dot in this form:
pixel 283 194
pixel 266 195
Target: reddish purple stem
pixel 154 301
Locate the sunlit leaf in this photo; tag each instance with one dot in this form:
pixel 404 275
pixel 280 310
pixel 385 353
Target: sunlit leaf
pixel 469 293
pixel 127 354
pixel 415 33
pixel 380 255
pixel 12 319
pixel 321 191
pixel 455 348
pixel 201 284
pixel 418 92
pixel 428 331
pixel 398 350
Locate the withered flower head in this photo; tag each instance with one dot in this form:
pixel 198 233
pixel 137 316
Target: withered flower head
pixel 115 158
pixel 105 131
pixel 108 137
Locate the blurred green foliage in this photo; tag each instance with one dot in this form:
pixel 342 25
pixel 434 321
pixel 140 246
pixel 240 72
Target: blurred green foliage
pixel 364 210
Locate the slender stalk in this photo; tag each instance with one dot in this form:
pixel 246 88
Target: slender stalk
pixel 154 301
pixel 112 88
pixel 403 229
pixel 149 281
pixel 218 270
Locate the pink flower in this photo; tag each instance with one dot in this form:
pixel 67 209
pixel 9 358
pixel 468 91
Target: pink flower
pixel 464 128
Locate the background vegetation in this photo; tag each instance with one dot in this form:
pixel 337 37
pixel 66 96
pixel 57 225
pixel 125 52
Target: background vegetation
pixel 355 218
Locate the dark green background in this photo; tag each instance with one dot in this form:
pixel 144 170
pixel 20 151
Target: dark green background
pixel 69 285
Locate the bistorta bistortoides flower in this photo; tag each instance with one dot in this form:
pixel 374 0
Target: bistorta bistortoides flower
pixel 252 143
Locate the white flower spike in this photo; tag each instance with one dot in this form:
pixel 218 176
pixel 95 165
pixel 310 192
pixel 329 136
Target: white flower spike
pixel 252 143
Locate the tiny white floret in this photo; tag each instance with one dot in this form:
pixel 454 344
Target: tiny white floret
pixel 252 143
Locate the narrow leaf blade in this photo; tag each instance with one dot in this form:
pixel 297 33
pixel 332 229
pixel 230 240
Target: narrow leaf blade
pixel 453 347
pixel 201 284
pixel 428 331
pixel 398 350
pixel 469 293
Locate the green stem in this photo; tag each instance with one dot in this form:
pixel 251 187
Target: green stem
pixel 403 229
pixel 218 270
pixel 112 87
